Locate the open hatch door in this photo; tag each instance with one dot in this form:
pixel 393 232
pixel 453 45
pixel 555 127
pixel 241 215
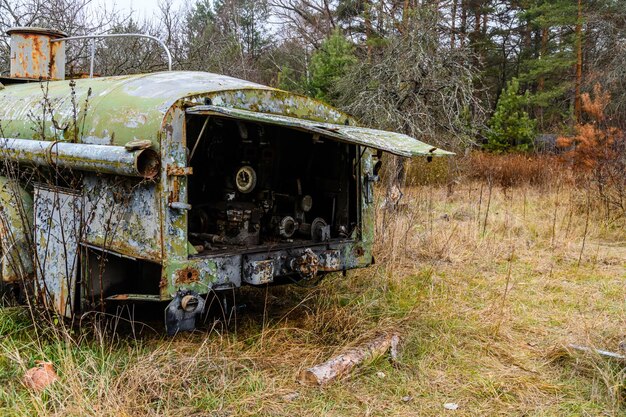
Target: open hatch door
pixel 395 143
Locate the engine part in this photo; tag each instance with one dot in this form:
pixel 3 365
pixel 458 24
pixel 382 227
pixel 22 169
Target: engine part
pixel 320 230
pixel 182 311
pixel 190 303
pixel 245 179
pixel 305 265
pixel 238 223
pixel 209 237
pixel 287 227
pixel 305 229
pixel 306 203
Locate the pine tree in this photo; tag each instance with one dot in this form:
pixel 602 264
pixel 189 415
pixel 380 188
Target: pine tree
pixel 330 63
pixel 510 127
pixel 549 58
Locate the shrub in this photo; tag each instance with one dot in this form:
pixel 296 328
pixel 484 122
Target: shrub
pixel 597 153
pixel 512 169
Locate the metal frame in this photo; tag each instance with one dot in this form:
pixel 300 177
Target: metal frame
pixel 116 35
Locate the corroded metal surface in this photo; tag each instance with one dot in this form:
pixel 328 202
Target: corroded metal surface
pixel 121 109
pixel 330 261
pixel 123 215
pixel 395 143
pixel 35 55
pixel 306 265
pixel 16 222
pixel 58 228
pixel 94 158
pixel 187 275
pixel 258 272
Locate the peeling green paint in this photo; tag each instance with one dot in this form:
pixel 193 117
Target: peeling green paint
pixel 117 110
pixel 16 221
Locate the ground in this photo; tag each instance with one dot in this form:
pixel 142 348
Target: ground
pixel 486 286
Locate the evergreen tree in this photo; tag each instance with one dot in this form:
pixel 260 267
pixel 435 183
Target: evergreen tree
pixel 329 64
pixel 549 57
pixel 510 127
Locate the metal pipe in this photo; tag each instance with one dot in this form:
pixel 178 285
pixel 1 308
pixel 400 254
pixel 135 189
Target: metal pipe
pixel 93 56
pixel 119 35
pixel 83 157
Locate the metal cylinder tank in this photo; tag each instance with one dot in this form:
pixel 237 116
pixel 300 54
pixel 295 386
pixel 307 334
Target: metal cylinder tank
pixel 35 55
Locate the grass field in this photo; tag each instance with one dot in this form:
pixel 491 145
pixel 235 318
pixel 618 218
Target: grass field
pixel 487 287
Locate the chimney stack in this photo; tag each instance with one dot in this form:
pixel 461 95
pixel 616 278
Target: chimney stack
pixel 35 56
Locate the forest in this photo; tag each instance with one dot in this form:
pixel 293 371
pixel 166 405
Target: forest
pixel 458 72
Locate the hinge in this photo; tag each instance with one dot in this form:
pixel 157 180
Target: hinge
pixel 176 171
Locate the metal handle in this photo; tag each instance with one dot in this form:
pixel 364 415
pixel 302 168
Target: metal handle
pixel 116 35
pixel 178 205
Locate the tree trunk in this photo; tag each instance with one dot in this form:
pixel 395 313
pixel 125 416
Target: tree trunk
pixel 542 79
pixel 463 21
pixel 579 63
pixel 368 28
pixel 453 25
pixel 405 15
pixel 341 365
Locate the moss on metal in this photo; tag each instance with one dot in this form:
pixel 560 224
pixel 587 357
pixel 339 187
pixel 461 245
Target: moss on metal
pixel 118 110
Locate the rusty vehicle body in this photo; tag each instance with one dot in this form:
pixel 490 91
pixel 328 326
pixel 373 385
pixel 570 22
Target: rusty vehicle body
pixel 172 185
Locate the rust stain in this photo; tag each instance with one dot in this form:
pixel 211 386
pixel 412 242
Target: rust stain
pixel 187 276
pixel 119 297
pixel 330 261
pixel 175 191
pixel 55 47
pixel 35 55
pixel 36 40
pixel 176 171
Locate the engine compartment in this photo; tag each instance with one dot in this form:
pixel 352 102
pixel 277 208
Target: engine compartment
pixel 257 184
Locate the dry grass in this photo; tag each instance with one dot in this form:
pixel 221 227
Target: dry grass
pixel 513 169
pixel 485 287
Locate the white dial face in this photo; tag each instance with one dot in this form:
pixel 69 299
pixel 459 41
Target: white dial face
pixel 245 180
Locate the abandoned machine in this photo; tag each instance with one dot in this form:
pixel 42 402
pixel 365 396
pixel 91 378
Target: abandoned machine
pixel 173 185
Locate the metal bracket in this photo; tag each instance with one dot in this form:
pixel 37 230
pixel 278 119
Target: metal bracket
pixel 182 311
pixel 177 171
pixel 178 205
pixel 370 179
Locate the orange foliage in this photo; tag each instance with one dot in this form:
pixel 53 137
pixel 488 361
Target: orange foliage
pixel 509 170
pixel 39 377
pixel 594 141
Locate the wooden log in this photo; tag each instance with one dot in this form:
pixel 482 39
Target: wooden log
pixel 341 365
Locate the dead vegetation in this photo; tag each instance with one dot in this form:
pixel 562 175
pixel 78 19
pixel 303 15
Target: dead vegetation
pixel 486 283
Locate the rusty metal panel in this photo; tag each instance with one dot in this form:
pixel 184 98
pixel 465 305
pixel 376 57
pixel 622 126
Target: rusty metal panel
pixel 258 272
pixel 58 224
pixel 122 215
pixel 34 56
pixel 395 143
pixel 331 260
pixel 16 221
